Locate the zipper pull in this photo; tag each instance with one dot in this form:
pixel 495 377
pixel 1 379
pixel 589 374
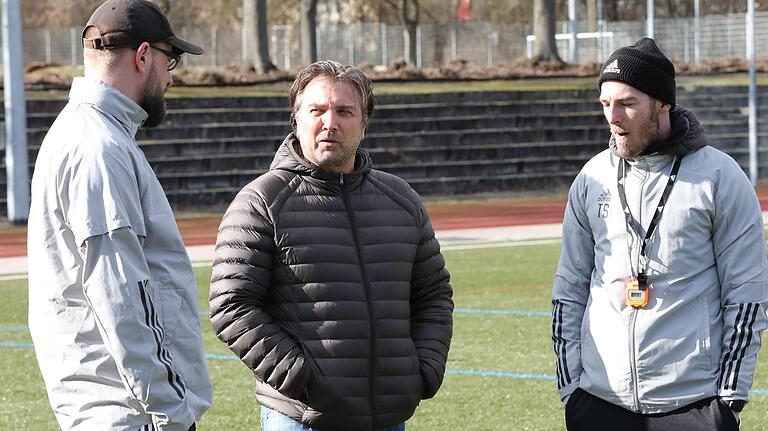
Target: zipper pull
pixel 341 179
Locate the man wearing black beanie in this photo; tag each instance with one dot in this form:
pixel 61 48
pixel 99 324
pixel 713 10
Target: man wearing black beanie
pixel 659 296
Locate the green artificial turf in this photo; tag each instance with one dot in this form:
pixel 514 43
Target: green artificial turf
pixel 501 364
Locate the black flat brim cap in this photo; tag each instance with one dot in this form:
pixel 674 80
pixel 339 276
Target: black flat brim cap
pixel 131 22
pixel 185 45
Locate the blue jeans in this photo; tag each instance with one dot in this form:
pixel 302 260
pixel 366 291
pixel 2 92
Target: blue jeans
pixel 274 421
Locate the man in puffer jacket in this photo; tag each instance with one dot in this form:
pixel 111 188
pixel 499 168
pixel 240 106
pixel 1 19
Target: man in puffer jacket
pixel 659 297
pixel 328 281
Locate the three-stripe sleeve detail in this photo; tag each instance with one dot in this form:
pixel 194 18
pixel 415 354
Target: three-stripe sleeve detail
pixel 152 321
pixel 737 348
pixel 559 345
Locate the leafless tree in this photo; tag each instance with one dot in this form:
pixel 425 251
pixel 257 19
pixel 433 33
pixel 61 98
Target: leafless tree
pixel 409 17
pixel 308 36
pixel 592 15
pixel 544 47
pixel 51 13
pixel 57 13
pixel 255 31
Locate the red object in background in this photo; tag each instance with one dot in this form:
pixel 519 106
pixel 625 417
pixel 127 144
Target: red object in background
pixel 463 12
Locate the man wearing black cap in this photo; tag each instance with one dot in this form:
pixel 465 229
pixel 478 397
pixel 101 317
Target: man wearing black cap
pixel 659 297
pixel 113 309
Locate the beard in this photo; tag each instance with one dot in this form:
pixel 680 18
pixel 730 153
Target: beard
pixel 153 101
pixel 644 135
pixel 337 158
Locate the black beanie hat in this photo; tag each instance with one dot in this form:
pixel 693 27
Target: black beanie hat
pixel 643 66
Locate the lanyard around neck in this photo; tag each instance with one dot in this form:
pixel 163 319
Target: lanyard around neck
pixel 634 225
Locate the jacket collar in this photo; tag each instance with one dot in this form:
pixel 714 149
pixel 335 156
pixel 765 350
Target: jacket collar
pixel 687 134
pixel 289 158
pixel 109 100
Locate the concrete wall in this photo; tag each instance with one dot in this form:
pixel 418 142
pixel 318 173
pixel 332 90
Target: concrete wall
pixel 442 144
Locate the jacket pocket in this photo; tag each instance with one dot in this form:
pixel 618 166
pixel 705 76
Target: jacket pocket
pixel 170 311
pixel 675 353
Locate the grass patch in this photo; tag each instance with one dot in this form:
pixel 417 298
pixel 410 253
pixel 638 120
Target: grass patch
pixel 510 278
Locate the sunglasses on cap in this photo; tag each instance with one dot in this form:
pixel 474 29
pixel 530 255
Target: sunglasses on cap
pixel 173 56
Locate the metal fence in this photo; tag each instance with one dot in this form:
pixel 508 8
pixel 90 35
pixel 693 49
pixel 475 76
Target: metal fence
pixel 479 43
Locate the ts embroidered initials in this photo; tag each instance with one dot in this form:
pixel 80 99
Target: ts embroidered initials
pixel 602 210
pixel 603 204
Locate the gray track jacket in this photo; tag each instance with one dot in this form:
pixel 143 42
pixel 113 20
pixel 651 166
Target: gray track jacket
pixel 699 336
pixel 113 308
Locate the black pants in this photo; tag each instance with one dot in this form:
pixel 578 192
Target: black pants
pixel 586 412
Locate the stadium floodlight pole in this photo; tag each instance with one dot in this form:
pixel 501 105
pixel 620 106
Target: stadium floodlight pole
pixel 649 20
pixel 16 169
pixel 573 49
pixel 600 28
pixel 696 29
pixel 752 92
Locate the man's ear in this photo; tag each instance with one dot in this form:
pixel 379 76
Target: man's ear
pixel 141 57
pixel 665 107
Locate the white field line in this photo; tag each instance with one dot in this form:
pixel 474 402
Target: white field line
pixel 453 247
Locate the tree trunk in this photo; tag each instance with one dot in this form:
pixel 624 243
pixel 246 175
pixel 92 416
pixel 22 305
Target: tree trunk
pixel 592 15
pixel 409 17
pixel 443 35
pixel 611 11
pixel 544 47
pixel 255 35
pixel 308 35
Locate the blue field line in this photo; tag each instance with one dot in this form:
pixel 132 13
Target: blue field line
pixel 465 372
pixel 14 328
pixel 508 312
pixel 479 311
pixel 502 374
pixel 525 376
pixel 222 357
pixel 6 344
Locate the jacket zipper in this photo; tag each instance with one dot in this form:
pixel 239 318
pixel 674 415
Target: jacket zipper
pixel 366 286
pixel 635 311
pixel 633 360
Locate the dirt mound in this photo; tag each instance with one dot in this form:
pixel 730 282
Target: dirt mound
pixel 42 77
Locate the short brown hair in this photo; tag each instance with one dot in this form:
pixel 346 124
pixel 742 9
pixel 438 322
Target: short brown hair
pixel 337 73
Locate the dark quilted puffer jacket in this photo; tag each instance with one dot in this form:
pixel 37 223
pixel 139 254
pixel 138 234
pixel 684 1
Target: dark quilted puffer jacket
pixel 331 288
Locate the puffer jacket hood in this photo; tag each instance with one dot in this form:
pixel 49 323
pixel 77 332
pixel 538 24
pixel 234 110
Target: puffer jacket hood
pixel 687 135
